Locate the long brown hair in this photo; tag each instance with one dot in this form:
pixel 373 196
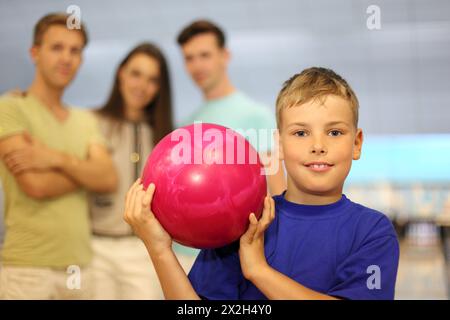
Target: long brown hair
pixel 158 113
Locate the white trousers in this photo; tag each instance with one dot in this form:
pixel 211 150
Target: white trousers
pixel 37 283
pixel 123 270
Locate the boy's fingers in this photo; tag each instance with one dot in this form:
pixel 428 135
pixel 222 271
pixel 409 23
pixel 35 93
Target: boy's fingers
pixel 129 203
pixel 272 209
pixel 127 199
pixel 255 223
pixel 265 219
pixel 149 195
pixel 252 228
pixel 133 201
pixel 267 216
pixel 130 192
pixel 137 182
pixel 127 214
pixel 138 205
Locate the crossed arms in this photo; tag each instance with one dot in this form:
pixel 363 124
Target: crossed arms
pixel 42 172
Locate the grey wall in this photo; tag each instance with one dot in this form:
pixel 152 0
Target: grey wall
pixel 399 72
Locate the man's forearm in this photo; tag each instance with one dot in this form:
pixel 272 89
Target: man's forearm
pixel 95 176
pixel 45 184
pixel 276 286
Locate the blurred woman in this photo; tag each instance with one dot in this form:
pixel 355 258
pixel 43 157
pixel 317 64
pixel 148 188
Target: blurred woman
pixel 136 116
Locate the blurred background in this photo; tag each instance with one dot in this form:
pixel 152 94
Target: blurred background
pixel 399 71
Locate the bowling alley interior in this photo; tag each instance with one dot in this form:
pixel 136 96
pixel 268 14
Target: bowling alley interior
pixel 395 55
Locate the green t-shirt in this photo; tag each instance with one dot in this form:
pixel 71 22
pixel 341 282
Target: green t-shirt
pixel 51 232
pixel 238 112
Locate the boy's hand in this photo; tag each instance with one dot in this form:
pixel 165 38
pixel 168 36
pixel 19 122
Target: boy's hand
pixel 139 216
pixel 251 248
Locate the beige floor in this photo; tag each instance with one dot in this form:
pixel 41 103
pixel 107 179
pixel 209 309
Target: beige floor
pixel 422 273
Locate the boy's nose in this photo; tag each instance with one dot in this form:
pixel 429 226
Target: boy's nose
pixel 318 149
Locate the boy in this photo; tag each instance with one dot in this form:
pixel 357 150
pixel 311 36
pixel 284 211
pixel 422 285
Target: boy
pixel 319 245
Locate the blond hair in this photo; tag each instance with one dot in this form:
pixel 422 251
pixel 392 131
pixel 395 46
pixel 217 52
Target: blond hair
pixel 315 83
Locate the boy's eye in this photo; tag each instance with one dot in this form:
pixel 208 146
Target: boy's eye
pixel 335 133
pixel 300 133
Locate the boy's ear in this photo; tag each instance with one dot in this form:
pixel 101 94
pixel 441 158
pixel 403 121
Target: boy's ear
pixel 359 137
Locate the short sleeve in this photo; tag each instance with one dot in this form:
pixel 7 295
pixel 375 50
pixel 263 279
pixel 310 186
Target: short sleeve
pixel 216 273
pixel 187 120
pixel 95 135
pixel 12 120
pixel 370 272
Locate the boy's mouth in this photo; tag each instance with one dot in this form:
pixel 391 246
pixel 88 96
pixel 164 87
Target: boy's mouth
pixel 318 166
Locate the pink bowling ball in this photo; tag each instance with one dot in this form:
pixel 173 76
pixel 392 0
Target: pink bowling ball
pixel 208 180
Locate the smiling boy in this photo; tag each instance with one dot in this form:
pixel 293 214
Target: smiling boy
pixel 319 244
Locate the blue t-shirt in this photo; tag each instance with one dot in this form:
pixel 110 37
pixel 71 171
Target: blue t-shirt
pixel 342 249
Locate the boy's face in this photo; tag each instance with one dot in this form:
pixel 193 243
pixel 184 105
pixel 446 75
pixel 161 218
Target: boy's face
pixel 205 60
pixel 318 142
pixel 59 55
